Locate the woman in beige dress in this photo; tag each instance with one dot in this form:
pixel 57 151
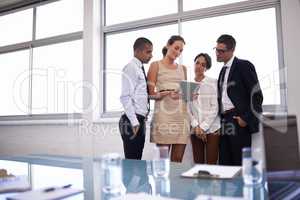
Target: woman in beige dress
pixel 170 123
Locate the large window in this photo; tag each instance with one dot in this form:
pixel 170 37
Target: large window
pixel 124 11
pixel 41 57
pixel 16 27
pixel 196 4
pixel 14 85
pixel 56 77
pixel 200 23
pixel 42 67
pixel 121 46
pixel 58 18
pixel 260 47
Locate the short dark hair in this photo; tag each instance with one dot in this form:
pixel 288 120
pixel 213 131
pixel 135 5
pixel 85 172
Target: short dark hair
pixel 140 43
pixel 175 38
pixel 207 59
pixel 228 40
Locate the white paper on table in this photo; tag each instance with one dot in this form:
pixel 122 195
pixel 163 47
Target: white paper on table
pixel 218 171
pixel 41 195
pixel 14 184
pixel 208 197
pixel 144 196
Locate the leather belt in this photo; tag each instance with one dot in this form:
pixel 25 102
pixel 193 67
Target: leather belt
pixel 229 111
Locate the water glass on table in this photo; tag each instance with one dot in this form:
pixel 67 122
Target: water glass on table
pixel 111 166
pixel 252 167
pixel 161 161
pixel 162 186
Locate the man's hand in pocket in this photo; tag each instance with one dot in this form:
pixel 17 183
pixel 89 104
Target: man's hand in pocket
pixel 135 130
pixel 240 121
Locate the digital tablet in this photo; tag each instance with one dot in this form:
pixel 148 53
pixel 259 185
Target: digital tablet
pixel 188 89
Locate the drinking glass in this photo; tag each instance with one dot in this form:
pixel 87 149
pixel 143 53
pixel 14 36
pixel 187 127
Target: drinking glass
pixel 111 166
pixel 252 167
pixel 161 162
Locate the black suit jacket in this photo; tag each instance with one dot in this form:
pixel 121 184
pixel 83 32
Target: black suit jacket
pixel 244 91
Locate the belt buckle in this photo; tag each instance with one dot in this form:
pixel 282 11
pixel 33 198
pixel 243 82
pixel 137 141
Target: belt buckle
pixel 228 111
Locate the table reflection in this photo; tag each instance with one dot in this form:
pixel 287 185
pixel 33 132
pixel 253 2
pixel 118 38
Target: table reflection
pixel 85 173
pixel 257 192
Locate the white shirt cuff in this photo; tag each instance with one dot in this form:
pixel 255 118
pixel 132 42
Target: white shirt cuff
pixel 134 122
pixel 194 123
pixel 204 126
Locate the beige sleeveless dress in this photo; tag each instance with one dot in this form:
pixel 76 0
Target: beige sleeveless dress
pixel 170 122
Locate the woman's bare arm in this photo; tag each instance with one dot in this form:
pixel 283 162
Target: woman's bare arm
pixel 152 79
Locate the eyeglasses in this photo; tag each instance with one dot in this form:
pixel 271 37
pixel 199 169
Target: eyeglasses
pixel 220 50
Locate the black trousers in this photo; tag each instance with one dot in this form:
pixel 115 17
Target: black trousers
pixel 233 139
pixel 133 144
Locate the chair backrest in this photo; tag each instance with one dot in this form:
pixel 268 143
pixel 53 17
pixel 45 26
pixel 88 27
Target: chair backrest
pixel 281 142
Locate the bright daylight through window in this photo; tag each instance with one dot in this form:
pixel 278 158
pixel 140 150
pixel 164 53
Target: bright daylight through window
pixel 42 66
pixel 200 23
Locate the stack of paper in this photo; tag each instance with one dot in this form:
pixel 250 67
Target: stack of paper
pixel 144 196
pixel 208 197
pixel 212 171
pixel 42 195
pixel 14 184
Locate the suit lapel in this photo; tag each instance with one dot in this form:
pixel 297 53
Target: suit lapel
pixel 231 69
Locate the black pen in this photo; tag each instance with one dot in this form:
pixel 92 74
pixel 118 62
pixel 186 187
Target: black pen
pixel 205 174
pixel 50 189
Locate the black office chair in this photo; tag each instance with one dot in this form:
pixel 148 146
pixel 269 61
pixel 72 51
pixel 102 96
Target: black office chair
pixel 282 156
pixel 281 142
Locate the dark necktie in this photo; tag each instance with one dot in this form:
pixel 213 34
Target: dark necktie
pixel 221 82
pixel 148 106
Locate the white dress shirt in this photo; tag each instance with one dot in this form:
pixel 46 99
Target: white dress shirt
pixel 134 97
pixel 203 111
pixel 226 102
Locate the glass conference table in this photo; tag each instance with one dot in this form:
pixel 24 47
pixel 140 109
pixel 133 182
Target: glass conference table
pixel 84 173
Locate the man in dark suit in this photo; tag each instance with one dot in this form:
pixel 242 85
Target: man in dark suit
pixel 240 102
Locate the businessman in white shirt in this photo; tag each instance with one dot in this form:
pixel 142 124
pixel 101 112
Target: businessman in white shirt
pixel 135 100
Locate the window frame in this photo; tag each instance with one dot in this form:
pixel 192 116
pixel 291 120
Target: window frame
pixel 183 16
pixel 30 118
pixel 100 78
